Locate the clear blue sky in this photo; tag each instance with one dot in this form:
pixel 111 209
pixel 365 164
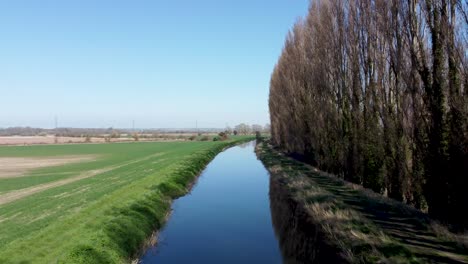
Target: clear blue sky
pixel 102 63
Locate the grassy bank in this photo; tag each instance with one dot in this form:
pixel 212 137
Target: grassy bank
pixel 100 219
pixel 346 223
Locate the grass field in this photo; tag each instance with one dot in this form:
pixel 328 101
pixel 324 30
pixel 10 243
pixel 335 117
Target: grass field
pixel 99 210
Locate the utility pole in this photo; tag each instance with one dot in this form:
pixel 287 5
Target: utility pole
pixel 56 126
pixel 196 125
pixel 133 125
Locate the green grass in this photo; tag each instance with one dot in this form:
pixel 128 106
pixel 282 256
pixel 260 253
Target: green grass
pixel 101 219
pixel 364 226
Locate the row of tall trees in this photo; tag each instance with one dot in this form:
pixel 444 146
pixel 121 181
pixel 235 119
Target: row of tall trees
pixel 376 91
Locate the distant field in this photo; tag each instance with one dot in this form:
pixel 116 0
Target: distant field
pixel 91 202
pixel 50 139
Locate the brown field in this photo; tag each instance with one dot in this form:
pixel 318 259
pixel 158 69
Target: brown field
pixel 37 140
pixel 21 140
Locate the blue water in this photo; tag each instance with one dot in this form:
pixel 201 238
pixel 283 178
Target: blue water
pixel 225 219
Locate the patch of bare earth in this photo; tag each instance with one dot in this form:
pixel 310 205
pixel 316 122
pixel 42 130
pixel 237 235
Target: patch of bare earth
pixel 12 167
pixel 49 140
pixel 33 140
pixel 18 194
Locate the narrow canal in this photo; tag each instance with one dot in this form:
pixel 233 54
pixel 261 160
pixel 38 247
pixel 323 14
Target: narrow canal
pixel 226 217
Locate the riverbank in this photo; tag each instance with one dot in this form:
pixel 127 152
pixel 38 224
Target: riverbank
pixel 105 218
pixel 320 218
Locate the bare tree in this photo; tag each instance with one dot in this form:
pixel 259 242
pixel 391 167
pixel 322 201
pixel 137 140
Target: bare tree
pixel 256 127
pixel 243 129
pixel 376 91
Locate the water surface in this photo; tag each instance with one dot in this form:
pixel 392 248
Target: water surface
pixel 225 219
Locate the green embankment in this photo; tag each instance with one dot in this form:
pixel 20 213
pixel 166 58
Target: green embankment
pixel 101 219
pixel 350 224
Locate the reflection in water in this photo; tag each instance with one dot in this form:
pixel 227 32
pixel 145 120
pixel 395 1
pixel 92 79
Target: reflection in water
pixel 250 144
pixel 300 241
pixel 229 218
pixel 226 217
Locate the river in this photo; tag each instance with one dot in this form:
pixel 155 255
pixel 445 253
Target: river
pixel 225 218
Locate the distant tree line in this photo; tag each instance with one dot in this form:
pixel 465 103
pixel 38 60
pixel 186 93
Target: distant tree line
pixel 376 91
pixel 245 129
pixel 100 132
pixel 60 131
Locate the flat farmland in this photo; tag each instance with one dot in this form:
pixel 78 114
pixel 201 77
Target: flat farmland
pixel 91 203
pixel 50 139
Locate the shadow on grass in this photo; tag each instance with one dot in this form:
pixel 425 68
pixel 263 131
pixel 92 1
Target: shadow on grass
pixel 300 241
pixel 411 238
pixel 410 228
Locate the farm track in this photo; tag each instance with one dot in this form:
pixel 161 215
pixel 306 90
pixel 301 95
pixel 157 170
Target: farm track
pixel 22 193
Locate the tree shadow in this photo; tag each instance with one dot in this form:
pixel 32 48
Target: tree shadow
pixel 408 226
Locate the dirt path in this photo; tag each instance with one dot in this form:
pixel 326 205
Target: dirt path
pixel 392 223
pixel 22 193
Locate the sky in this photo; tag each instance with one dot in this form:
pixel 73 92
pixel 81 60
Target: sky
pixel 163 64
